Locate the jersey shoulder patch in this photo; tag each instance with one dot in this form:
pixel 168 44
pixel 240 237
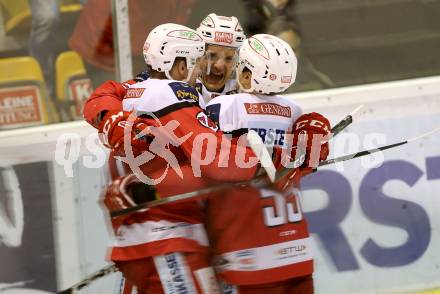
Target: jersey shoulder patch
pixel 183 91
pixel 213 112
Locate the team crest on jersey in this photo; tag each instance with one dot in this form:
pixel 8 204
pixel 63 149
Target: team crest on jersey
pixel 268 108
pixel 184 91
pixel 205 121
pixel 134 92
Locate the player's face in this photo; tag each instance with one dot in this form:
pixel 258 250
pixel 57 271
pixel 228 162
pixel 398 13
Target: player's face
pixel 217 66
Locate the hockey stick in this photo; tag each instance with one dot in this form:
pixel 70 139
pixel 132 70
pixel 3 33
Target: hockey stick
pixel 88 280
pixel 371 151
pixel 260 150
pixel 256 182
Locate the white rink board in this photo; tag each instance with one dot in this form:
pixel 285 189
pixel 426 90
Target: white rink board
pixel 397 110
pixel 409 173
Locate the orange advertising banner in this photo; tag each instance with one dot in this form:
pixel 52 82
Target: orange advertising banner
pixel 20 106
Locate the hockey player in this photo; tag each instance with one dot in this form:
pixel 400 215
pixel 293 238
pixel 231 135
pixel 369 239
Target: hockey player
pixel 164 249
pixel 259 236
pixel 223 36
pixel 264 246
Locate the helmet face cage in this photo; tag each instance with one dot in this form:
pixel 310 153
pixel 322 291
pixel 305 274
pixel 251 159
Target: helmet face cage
pixel 272 62
pixel 214 58
pixel 168 41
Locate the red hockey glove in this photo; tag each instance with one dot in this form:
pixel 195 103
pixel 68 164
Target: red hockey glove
pixel 113 125
pixel 127 191
pixel 310 130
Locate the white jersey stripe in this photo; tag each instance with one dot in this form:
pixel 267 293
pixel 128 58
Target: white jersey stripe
pixel 267 257
pixel 150 231
pixel 174 274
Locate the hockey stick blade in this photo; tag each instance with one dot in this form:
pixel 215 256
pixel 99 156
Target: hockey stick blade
pixel 374 150
pixel 346 121
pixel 96 275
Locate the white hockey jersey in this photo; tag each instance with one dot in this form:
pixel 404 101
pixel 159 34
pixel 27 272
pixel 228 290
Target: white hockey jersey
pixel 175 227
pixel 270 116
pixel 156 95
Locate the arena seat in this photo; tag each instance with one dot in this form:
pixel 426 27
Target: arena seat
pixel 17 12
pixel 23 95
pixel 73 87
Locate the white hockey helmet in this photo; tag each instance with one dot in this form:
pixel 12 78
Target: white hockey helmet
pixel 221 30
pixel 272 62
pixel 168 41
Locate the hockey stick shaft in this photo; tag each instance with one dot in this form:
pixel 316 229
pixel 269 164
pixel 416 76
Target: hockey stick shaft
pixel 374 150
pixel 360 154
pixel 91 278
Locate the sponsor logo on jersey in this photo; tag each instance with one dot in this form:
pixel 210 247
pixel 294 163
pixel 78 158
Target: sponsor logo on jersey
pixel 166 228
pixel 292 249
pixel 287 233
pixel 286 79
pixel 272 77
pixel 205 121
pixel 268 108
pixel 246 259
pixel 184 91
pixel 134 92
pixel 271 137
pixel 224 37
pixel 291 252
pixel 177 278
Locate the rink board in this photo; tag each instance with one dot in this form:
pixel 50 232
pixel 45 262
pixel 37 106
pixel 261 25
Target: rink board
pixel 374 222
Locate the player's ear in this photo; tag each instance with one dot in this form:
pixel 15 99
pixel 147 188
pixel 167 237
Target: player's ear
pixel 181 66
pixel 179 70
pixel 245 78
